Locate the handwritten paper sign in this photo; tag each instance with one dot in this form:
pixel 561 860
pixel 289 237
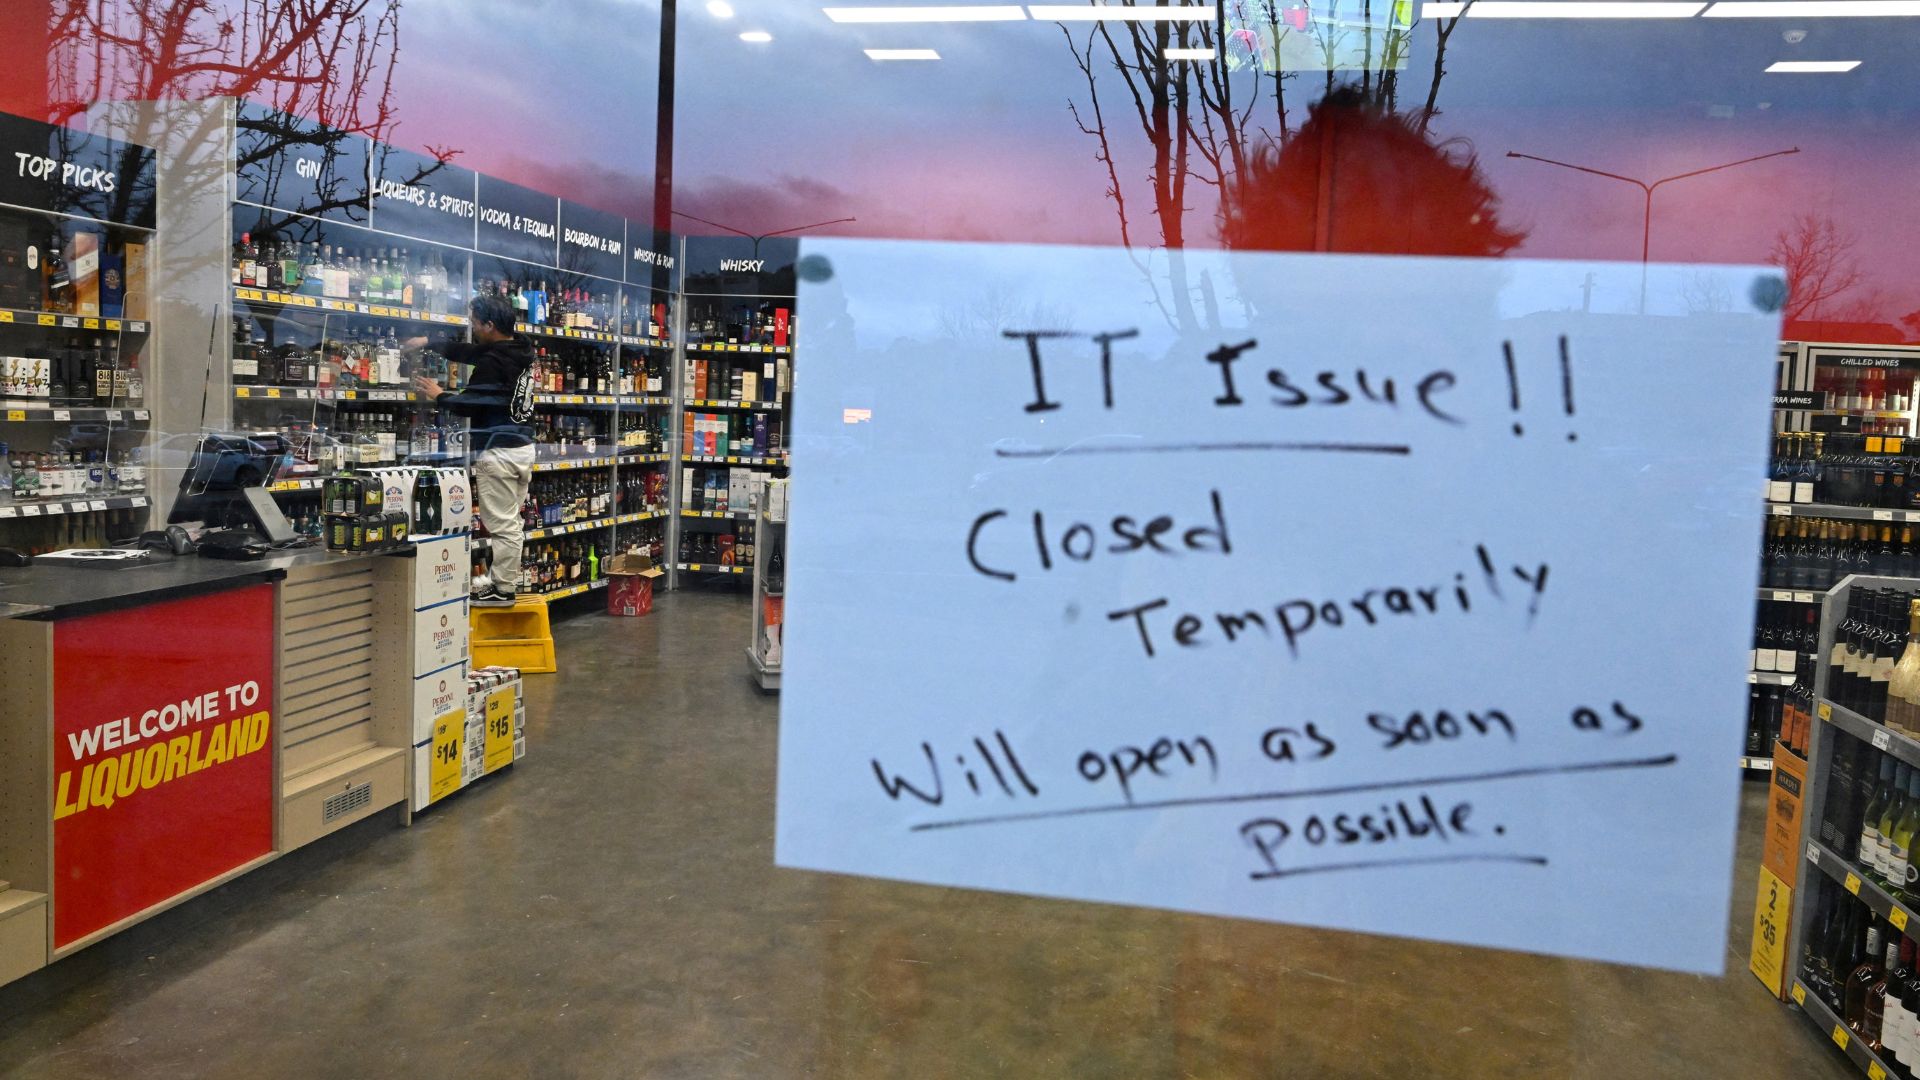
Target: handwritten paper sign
pixel 1373 593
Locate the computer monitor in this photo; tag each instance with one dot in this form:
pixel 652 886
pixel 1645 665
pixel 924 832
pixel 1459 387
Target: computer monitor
pixel 224 485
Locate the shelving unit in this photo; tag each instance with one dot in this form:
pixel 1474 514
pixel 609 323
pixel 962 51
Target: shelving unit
pixel 76 355
pixel 737 318
pixel 1820 861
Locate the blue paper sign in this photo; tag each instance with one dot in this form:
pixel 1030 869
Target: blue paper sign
pixel 1402 595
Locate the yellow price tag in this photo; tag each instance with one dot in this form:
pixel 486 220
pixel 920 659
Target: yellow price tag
pixel 273 391
pixel 1875 1072
pixel 46 320
pixel 113 324
pixel 6 316
pixel 91 324
pixel 1898 918
pixel 16 414
pixel 242 391
pixel 1826 711
pixel 499 741
pixel 1875 444
pixel 443 769
pixel 1799 994
pixel 1840 1036
pixel 1894 445
pixel 1852 884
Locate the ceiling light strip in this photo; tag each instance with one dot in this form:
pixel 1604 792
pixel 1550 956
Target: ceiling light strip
pixel 941 13
pixel 1811 67
pixel 1813 9
pixel 1118 13
pixel 1202 53
pixel 1584 9
pixel 902 54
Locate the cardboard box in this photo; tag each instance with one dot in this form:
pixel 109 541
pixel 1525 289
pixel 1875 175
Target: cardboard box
pixel 439 761
pixel 83 264
pixel 630 584
pixel 113 286
pixel 456 501
pixel 435 695
pixel 135 259
pixel 1780 846
pixel 442 570
pixel 439 636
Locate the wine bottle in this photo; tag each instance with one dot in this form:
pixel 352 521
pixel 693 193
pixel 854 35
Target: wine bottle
pixel 1874 1017
pixel 1866 972
pixel 1900 839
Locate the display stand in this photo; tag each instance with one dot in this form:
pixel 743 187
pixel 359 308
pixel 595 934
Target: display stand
pixel 1815 861
pixel 76 297
pixel 767 646
pixel 731 397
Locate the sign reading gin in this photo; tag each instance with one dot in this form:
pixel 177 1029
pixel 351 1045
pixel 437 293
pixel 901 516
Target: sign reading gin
pixel 1385 594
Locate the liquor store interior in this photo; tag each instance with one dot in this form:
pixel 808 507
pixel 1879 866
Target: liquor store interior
pixel 397 454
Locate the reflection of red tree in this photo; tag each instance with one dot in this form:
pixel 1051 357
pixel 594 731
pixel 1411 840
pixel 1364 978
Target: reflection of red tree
pixel 328 60
pixel 1356 177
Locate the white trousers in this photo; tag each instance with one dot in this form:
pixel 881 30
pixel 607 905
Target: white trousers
pixel 500 478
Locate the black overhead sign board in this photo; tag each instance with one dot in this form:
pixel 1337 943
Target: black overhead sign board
pixel 55 168
pixel 1800 399
pixel 642 259
pixel 288 162
pixel 591 241
pixel 419 196
pixel 738 266
pixel 517 223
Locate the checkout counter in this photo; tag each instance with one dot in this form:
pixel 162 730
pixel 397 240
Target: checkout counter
pixel 167 727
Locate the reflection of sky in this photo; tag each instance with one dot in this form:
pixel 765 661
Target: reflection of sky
pixel 559 95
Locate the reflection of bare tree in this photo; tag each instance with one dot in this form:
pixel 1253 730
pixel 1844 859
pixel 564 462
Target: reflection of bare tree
pixel 330 61
pixel 996 306
pixel 1706 293
pixel 1818 259
pixel 1204 122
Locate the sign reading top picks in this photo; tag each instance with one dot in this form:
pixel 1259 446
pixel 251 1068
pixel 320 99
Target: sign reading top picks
pixel 1384 594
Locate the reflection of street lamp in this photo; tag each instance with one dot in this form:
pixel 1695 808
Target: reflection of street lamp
pixel 1646 221
pixel 763 236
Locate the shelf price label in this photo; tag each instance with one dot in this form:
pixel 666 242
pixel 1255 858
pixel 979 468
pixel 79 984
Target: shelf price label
pixel 1852 884
pixel 91 324
pixel 1883 515
pixel 16 414
pixel 273 391
pixel 30 510
pixel 242 391
pixel 1875 1072
pixel 1840 1036
pixel 1799 994
pixel 1826 711
pixel 6 316
pixel 443 768
pixel 62 414
pixel 1897 918
pixel 46 320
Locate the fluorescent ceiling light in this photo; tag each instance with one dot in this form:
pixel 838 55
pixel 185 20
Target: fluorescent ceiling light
pixel 1202 53
pixel 1812 66
pixel 720 9
pixel 758 37
pixel 1441 11
pixel 1583 9
pixel 947 13
pixel 1813 9
pixel 902 54
pixel 1140 13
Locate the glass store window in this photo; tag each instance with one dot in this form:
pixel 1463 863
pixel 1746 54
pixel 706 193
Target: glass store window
pixel 1279 499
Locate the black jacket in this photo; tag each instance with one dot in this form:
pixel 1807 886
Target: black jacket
pixel 498 397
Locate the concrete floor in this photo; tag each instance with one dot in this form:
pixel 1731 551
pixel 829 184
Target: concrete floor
pixel 609 908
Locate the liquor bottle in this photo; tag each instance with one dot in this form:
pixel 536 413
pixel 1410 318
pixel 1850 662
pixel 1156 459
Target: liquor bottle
pixel 1864 973
pixel 1873 1019
pixel 102 364
pixel 1876 805
pixel 1903 688
pixel 1890 814
pixel 1900 841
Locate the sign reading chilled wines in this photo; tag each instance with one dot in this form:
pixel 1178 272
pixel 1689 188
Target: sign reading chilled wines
pixel 1318 589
